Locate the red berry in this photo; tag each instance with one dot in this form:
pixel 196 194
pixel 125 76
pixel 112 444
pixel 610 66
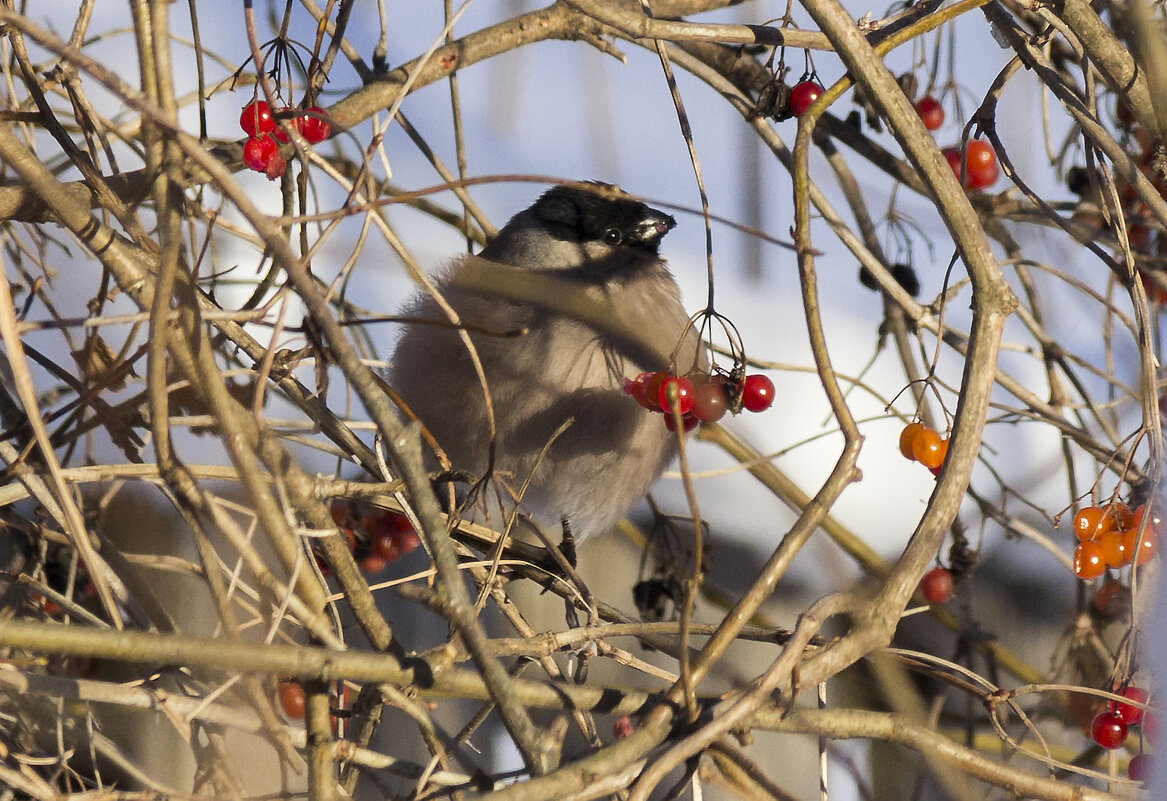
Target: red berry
pixel 256 119
pixel 635 388
pixel 757 393
pixel 984 177
pixel 381 520
pixel 292 122
pixel 688 421
pixel 906 436
pixel 385 546
pixel 952 156
pixel 1089 562
pixel 652 389
pixel 1108 730
pixel 802 95
pixel 392 534
pixel 373 563
pixel 979 154
pixel 709 404
pixel 982 164
pixel 682 389
pixel 314 125
pixel 937 585
pixel 1128 713
pixel 407 541
pixel 292 700
pixel 1140 767
pixel 981 169
pixel 931 112
pixel 276 167
pixel 929 449
pixel 258 152
pixel 392 545
pixel 342 514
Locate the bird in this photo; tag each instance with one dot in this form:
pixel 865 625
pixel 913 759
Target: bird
pixel 569 301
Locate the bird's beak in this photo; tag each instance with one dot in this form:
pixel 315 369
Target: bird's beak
pixel 654 226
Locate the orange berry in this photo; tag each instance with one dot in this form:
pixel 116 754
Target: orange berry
pixel 929 448
pixel 1115 548
pixel 906 436
pixel 1091 523
pixel 1123 514
pixel 292 700
pixel 1144 551
pixel 1155 521
pixel 1089 562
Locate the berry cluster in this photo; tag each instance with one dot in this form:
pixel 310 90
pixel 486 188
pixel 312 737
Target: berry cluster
pixel 376 539
pixel 261 151
pixel 975 165
pixel 1110 727
pixel 980 164
pixel 781 102
pixel 1111 538
pixel 918 443
pixel 1144 236
pixel 700 397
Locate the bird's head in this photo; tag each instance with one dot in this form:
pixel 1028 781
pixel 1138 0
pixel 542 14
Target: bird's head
pixel 601 214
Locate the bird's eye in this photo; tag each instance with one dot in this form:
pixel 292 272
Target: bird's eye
pixel 613 236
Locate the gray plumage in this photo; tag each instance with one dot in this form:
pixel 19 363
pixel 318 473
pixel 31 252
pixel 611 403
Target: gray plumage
pixel 593 246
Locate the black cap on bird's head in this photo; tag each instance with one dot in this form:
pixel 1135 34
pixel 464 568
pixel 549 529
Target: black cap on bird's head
pixel 598 212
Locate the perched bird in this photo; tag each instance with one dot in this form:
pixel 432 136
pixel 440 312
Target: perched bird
pixel 566 302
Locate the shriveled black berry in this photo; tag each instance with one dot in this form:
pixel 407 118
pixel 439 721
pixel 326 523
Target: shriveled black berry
pixel 1078 181
pixel 906 277
pixel 868 280
pixel 902 273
